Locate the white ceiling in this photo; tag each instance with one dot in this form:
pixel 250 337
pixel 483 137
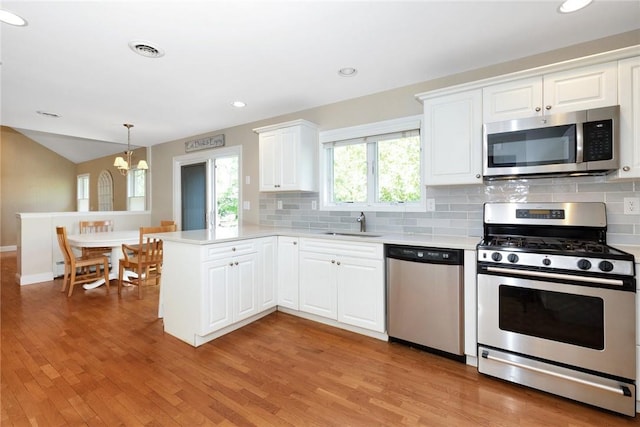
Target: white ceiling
pixel 280 57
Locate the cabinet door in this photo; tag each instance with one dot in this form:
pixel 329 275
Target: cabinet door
pixel 216 299
pixel 267 277
pixel 318 294
pixel 512 100
pixel 629 95
pixel 246 286
pixel 290 160
pixel 581 89
pixel 269 160
pixel 361 293
pixel 288 272
pixel 453 138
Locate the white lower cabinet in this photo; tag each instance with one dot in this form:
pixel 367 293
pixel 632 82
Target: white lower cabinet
pixel 287 274
pixel 229 291
pixel 212 289
pixel 337 284
pixel 267 280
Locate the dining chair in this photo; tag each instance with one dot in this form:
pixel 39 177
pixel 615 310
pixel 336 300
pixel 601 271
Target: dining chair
pixel 144 259
pixel 77 270
pixel 164 222
pixel 141 263
pixel 96 227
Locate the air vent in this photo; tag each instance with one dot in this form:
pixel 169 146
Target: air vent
pixel 146 49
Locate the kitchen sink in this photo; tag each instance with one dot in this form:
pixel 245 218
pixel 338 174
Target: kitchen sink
pixel 351 234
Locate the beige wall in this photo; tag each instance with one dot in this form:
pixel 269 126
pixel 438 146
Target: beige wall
pixel 377 107
pixel 33 179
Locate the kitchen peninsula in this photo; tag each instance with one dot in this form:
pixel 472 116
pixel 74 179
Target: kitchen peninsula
pixel 215 283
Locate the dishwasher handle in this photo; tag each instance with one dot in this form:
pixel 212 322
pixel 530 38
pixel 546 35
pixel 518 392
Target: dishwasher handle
pixel 425 254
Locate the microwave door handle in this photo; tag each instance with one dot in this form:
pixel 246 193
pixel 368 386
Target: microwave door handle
pixel 579 143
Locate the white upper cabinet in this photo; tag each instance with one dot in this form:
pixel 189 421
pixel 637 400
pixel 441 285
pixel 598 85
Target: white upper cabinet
pixel 577 89
pixel 288 156
pixel 453 138
pixel 629 97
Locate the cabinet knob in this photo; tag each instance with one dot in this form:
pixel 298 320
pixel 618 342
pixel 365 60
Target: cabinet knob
pixel 478 176
pixel 295 243
pixel 235 263
pixel 626 168
pixel 231 264
pixel 338 263
pixel 233 249
pixel 333 261
pixel 548 107
pixel 538 109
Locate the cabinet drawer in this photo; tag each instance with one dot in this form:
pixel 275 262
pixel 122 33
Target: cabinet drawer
pixel 343 247
pixel 224 250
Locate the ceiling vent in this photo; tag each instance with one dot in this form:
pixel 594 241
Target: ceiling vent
pixel 146 49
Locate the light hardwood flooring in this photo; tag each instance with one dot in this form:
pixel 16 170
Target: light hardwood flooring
pixel 99 360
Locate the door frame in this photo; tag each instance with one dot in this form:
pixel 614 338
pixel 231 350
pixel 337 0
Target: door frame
pixel 208 157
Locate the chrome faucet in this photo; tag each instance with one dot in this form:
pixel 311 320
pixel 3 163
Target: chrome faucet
pixel 363 222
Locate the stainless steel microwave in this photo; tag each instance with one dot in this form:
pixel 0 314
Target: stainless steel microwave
pixel 567 144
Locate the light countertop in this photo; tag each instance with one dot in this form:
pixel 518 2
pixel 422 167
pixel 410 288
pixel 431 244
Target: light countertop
pixel 206 237
pixel 250 231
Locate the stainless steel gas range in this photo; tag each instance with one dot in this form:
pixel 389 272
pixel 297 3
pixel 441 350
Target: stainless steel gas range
pixel 556 304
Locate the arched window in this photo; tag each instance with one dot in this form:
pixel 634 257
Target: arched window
pixel 105 191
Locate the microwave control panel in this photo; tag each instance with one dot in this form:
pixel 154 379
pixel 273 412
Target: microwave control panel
pixel 598 140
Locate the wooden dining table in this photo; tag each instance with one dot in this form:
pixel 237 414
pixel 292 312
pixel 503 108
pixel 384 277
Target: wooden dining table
pixel 112 239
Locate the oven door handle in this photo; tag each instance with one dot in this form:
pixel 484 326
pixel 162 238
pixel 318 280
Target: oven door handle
pixel 546 275
pixel 623 390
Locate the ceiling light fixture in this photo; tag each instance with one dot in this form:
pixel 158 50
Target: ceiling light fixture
pixel 12 19
pixel 347 72
pixel 239 104
pixel 146 49
pixel 124 165
pixel 569 6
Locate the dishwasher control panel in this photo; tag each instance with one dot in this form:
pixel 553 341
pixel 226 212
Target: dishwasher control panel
pixel 425 254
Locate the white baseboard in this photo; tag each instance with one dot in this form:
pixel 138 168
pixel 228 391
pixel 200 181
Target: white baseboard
pixel 34 278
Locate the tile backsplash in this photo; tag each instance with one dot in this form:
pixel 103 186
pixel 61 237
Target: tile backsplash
pixel 459 208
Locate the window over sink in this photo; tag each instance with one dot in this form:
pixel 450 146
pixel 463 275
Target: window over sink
pixel 374 166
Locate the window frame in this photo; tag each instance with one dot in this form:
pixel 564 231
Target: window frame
pixel 358 132
pixel 135 202
pixel 82 203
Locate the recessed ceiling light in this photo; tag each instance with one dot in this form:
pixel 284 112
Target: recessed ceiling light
pixel 48 114
pixel 569 6
pixel 11 19
pixel 146 49
pixel 239 104
pixel 347 72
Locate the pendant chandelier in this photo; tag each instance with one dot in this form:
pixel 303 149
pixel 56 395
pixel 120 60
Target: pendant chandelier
pixel 123 164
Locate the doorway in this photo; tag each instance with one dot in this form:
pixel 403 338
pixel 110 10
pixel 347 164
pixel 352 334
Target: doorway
pixel 207 190
pixel 194 196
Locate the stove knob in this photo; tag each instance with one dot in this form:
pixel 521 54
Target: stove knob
pixel 513 258
pixel 496 256
pixel 584 264
pixel 546 261
pixel 605 266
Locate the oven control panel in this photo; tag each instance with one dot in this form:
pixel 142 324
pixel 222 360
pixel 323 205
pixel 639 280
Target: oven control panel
pixel 557 262
pixel 540 213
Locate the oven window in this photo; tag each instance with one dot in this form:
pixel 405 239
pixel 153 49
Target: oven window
pixel 567 318
pixel 533 147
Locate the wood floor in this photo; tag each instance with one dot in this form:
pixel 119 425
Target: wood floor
pixel 99 360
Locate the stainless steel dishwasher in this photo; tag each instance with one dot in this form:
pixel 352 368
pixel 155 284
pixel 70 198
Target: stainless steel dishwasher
pixel 425 298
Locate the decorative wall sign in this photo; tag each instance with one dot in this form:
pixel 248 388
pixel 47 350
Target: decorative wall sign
pixel 204 143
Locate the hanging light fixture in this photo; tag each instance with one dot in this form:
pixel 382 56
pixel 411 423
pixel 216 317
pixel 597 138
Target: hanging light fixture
pixel 124 163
